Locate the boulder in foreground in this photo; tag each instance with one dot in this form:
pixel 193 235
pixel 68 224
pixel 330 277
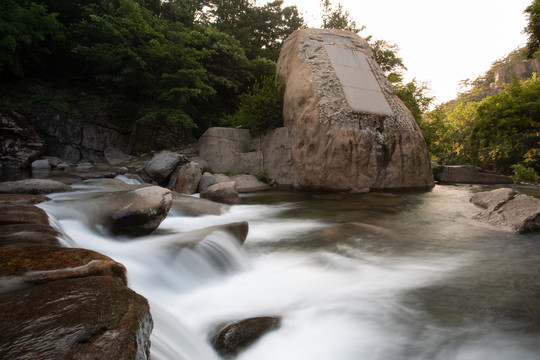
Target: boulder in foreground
pixel 509 210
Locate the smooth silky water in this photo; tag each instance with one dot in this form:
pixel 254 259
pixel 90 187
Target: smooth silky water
pixel 403 275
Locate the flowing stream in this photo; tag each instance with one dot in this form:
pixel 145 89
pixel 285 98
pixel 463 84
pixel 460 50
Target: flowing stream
pixel 404 275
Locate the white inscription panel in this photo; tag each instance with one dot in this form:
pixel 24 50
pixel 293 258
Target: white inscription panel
pixel 360 86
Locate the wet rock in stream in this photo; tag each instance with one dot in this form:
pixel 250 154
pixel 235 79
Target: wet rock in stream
pixel 63 303
pixel 232 338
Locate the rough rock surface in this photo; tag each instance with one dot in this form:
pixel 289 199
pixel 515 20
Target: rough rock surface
pixel 207 179
pixel 20 144
pixel 63 303
pixel 162 164
pixel 224 192
pixel 333 146
pixel 33 186
pixel 192 206
pixel 82 318
pixel 469 174
pixel 114 156
pixel 132 213
pixel 509 210
pixel 185 179
pixel 487 199
pixel 236 150
pixel 249 183
pixel 231 339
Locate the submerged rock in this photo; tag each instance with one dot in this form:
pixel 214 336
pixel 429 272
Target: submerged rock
pixel 508 209
pixel 232 338
pixel 238 230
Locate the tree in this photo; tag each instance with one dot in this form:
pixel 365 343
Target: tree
pixel 260 29
pixel 508 126
pixel 28 35
pixel 261 107
pixel 386 56
pixel 414 95
pixel 337 18
pixel 533 29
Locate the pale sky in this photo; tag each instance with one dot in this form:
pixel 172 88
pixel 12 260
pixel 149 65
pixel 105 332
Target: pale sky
pixel 441 42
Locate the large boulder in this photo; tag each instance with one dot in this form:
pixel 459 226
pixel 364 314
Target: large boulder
pixel 185 179
pixel 162 164
pixel 33 186
pixel 186 205
pixel 136 212
pixel 95 317
pixel 240 152
pixel 348 129
pixel 468 174
pixel 63 303
pixel 224 192
pixel 230 339
pixel 508 210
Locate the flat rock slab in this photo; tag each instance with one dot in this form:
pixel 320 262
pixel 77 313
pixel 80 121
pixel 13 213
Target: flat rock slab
pixel 33 186
pixel 41 264
pixel 509 210
pixel 468 174
pixel 186 205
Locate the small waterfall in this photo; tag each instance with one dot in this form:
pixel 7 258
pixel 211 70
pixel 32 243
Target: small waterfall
pixel 416 284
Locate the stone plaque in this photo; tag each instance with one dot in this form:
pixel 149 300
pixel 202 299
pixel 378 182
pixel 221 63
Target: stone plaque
pixel 359 84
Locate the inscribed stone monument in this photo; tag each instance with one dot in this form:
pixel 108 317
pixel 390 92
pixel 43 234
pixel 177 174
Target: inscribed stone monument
pixel 348 129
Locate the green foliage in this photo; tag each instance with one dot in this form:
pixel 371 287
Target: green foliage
pixel 337 18
pixel 524 174
pixel 261 108
pixel 414 95
pixel 263 177
pixel 533 29
pixel 260 29
pixel 28 34
pixel 386 56
pixel 508 125
pixel 207 169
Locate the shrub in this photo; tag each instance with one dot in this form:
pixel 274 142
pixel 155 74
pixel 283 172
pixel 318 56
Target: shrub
pixel 261 108
pixel 524 174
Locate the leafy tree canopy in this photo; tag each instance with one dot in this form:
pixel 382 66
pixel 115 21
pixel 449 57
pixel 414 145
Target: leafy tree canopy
pixel 533 29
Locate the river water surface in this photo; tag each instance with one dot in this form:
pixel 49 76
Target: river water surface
pixel 403 275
